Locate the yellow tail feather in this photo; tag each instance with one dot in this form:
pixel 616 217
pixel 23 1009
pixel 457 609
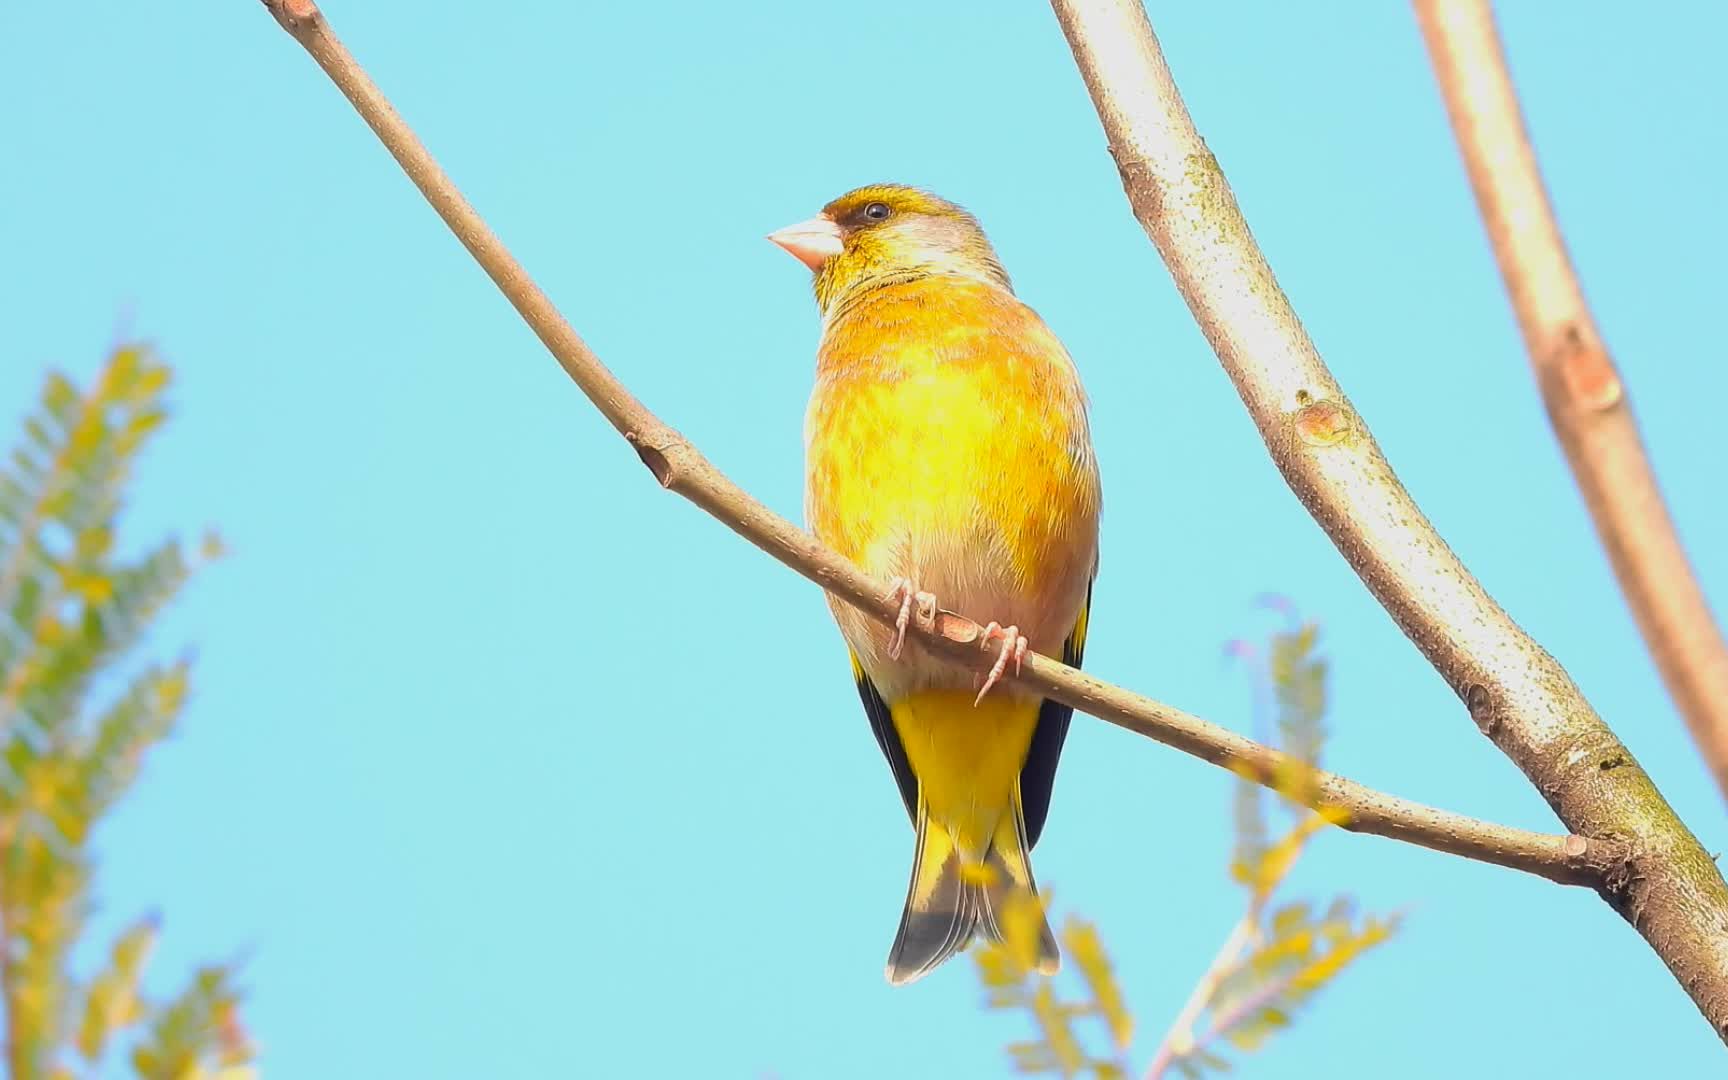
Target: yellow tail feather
pixel 949 901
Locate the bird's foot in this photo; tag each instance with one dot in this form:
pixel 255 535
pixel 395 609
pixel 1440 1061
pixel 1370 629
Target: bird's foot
pixel 1014 646
pixel 912 603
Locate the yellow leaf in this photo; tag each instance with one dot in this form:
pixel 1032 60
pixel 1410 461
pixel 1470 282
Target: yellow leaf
pixel 90 433
pixel 94 588
pixel 93 543
pixel 1058 1034
pixel 122 370
pixel 171 690
pixel 1289 917
pixel 133 947
pixel 146 421
pixel 151 382
pixel 58 393
pixel 1086 949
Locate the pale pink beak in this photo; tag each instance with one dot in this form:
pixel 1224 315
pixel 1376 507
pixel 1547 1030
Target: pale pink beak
pixel 811 242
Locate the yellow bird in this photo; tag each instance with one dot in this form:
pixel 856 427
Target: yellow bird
pixel 947 450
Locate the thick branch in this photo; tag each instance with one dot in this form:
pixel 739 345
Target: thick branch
pixel 1518 695
pixel 678 466
pixel 1586 400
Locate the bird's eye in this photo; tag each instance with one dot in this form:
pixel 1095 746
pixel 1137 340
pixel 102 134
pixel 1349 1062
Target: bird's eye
pixel 877 211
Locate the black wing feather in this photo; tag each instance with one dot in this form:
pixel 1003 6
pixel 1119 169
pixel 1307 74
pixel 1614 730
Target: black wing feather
pixel 882 723
pixel 1038 775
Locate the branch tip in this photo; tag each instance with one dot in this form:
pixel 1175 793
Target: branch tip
pixel 294 15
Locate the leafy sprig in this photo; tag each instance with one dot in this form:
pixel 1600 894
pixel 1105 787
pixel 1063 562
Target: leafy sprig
pixel 76 721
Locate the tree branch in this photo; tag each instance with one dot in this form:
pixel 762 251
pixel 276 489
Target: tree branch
pixel 1586 400
pixel 681 468
pixel 1179 1040
pixel 1517 694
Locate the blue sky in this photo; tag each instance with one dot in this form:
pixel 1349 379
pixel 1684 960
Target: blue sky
pixel 505 763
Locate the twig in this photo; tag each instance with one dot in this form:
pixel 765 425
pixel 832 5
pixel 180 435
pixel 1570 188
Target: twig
pixel 1517 694
pixel 1179 1041
pixel 681 468
pixel 1587 403
pixel 1242 1010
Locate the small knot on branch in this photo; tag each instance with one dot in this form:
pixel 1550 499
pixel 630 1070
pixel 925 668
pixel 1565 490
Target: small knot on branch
pixel 1145 195
pixel 654 457
pixel 1587 372
pixel 1321 423
pixel 1481 705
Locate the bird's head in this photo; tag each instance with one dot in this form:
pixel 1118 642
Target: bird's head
pixel 888 233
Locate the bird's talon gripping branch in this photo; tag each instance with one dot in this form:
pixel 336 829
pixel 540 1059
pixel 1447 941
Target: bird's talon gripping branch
pixel 925 612
pixel 1014 646
pixel 910 598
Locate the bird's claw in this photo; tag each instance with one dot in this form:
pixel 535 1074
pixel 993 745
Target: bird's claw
pixel 912 603
pixel 1014 645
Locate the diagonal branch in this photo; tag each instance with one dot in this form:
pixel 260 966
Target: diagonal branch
pixel 1179 1040
pixel 1517 694
pixel 1586 401
pixel 681 468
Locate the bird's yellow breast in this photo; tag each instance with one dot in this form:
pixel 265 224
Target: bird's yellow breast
pixel 947 442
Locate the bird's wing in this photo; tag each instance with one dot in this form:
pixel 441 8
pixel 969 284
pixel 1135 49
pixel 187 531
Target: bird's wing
pixel 882 723
pixel 1038 775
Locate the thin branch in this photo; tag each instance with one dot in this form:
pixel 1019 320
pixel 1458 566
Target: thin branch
pixel 1242 1010
pixel 1587 403
pixel 1518 695
pixel 1179 1040
pixel 681 468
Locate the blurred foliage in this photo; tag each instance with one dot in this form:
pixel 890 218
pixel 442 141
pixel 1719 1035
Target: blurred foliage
pixel 76 719
pixel 1273 961
pixel 1011 982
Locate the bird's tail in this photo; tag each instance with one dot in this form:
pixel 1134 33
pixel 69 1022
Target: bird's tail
pixel 950 900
